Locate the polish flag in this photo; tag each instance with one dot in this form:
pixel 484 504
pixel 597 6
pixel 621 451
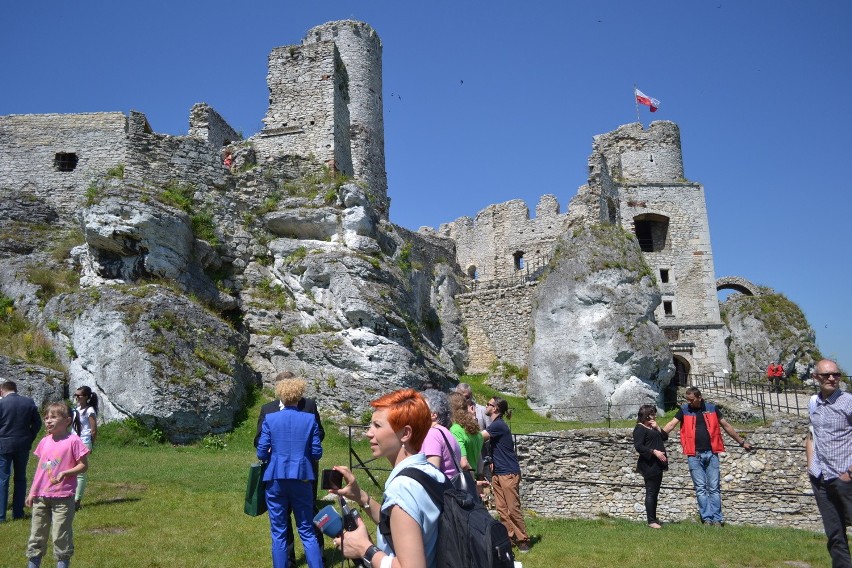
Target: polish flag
pixel 644 99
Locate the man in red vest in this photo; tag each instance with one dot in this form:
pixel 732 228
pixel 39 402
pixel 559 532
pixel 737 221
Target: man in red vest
pixel 779 376
pixel 701 426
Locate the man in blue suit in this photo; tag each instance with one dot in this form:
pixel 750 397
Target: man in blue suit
pixel 19 426
pixel 290 443
pixel 309 406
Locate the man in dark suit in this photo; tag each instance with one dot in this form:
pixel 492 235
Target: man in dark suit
pixel 19 426
pixel 308 405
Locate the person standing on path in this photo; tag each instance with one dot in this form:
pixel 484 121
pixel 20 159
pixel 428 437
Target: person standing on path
pixel 19 426
pixel 308 405
pixel 829 451
pixel 648 440
pixel 506 473
pixel 701 426
pixel 87 428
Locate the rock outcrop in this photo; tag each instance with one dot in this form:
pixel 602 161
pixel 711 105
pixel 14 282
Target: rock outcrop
pixel 183 295
pixel 596 342
pixel 767 327
pixel 41 384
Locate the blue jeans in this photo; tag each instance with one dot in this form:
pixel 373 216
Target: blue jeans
pixel 704 470
pixel 17 460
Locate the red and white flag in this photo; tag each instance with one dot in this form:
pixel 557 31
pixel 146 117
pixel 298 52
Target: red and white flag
pixel 644 99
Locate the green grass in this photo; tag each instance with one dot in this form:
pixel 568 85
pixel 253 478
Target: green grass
pixel 155 505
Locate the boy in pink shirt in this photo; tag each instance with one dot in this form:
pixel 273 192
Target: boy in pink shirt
pixel 61 457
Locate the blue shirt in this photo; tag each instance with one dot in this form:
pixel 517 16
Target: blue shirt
pixel 411 497
pixel 831 427
pixel 503 448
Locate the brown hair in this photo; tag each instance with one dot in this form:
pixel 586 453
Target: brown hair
pixel 460 414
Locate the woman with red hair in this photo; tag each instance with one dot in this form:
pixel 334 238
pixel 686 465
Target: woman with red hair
pixel 399 424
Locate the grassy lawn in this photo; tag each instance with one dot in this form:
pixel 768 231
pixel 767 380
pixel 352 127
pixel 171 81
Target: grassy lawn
pixel 164 506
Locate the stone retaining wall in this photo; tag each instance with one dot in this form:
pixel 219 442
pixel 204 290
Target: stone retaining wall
pixel 591 473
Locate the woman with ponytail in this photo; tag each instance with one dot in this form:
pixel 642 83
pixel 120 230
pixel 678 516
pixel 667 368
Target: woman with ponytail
pixel 86 426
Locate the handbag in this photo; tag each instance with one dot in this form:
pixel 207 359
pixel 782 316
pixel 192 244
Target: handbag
pixel 255 504
pixel 463 480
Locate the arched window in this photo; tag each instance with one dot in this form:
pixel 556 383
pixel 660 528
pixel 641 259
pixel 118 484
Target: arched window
pixel 651 231
pixel 472 273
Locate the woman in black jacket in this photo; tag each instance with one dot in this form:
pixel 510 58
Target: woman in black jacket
pixel 648 440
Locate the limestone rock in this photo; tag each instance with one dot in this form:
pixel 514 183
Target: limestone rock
pixel 152 354
pixel 129 240
pixel 41 384
pixel 768 327
pixel 596 341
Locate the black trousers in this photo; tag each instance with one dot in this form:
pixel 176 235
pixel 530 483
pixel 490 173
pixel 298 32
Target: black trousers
pixel 652 492
pixel 834 500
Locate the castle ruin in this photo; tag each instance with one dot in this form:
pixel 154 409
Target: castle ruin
pixel 325 106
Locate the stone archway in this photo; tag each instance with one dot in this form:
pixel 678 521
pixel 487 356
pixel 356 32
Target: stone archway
pixel 680 379
pixel 738 284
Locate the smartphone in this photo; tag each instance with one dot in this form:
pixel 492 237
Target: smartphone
pixel 331 479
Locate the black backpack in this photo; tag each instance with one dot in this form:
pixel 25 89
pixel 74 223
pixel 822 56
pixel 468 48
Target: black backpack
pixel 468 536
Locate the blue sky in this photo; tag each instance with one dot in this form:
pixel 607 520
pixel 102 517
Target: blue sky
pixel 500 100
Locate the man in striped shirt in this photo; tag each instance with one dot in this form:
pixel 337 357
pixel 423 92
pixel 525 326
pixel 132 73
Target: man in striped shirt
pixel 829 452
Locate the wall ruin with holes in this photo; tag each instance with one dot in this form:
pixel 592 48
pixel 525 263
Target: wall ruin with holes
pixel 30 145
pixel 488 243
pixel 325 100
pixel 101 141
pixel 647 167
pixel 633 173
pixel 591 473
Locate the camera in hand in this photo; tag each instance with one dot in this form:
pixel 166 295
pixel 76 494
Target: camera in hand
pixel 331 479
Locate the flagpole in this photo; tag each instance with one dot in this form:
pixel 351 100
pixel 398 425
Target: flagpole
pixel 636 101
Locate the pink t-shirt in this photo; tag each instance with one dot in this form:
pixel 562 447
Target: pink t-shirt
pixel 55 456
pixel 435 445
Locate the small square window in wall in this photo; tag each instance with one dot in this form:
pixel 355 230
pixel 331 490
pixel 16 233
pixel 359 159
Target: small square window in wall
pixel 667 308
pixel 65 161
pixel 664 275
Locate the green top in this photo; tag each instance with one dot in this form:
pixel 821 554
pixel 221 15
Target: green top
pixel 471 444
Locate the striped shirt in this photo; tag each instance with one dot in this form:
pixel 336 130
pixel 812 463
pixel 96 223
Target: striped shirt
pixel 831 427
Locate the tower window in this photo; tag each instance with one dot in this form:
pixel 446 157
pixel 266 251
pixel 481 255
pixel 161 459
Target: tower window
pixel 664 275
pixel 667 308
pixel 65 161
pixel 519 260
pixel 651 231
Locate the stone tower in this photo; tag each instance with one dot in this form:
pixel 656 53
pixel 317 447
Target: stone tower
pixel 667 213
pixel 325 100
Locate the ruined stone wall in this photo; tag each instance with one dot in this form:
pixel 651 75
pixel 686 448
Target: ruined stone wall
pixel 487 244
pixel 160 159
pixel 30 144
pixel 499 326
pixel 207 124
pixel 307 114
pixel 360 50
pixel 633 153
pixel 589 473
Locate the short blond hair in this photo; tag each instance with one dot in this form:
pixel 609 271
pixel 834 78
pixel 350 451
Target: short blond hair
pixel 289 391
